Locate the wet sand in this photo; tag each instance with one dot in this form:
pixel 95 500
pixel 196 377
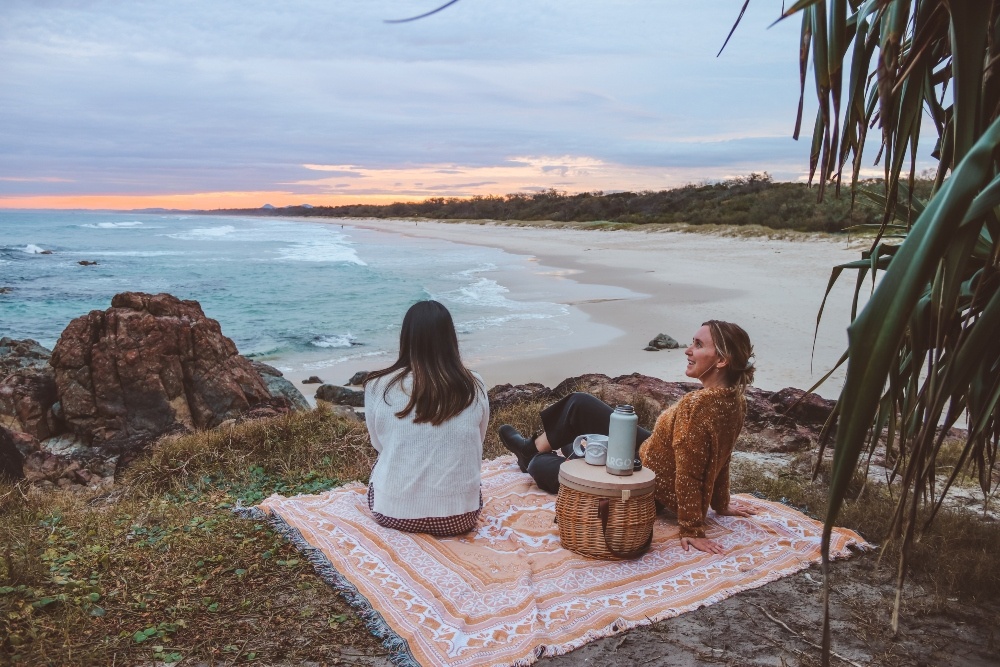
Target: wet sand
pixel 626 286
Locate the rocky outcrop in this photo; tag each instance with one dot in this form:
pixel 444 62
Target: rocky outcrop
pixel 632 389
pixel 802 406
pixel 17 354
pixel 331 393
pixel 27 402
pixel 279 387
pixel 148 365
pixel 11 460
pixel 785 420
pixel 59 462
pixel 506 395
pixel 312 379
pixel 344 412
pixel 48 470
pixel 27 389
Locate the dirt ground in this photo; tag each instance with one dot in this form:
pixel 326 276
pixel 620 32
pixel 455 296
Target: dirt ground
pixel 780 625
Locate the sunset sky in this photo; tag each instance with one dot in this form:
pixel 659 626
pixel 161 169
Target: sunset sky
pixel 238 103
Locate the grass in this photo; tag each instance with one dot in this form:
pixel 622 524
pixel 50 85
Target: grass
pixel 955 556
pixel 159 569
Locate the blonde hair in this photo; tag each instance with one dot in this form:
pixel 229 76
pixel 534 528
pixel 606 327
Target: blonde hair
pixel 733 344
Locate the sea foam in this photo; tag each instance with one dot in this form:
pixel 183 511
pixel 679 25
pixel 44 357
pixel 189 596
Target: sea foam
pixel 336 340
pixel 321 250
pixel 113 225
pixel 483 292
pixel 204 233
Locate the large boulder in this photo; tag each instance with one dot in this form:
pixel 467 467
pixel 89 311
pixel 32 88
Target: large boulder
pixel 279 387
pixel 148 365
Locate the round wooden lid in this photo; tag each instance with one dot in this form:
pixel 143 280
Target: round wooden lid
pixel 580 473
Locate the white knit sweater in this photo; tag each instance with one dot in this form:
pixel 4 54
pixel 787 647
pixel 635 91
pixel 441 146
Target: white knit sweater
pixel 424 470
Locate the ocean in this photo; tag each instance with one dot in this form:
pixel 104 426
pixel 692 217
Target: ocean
pixel 303 296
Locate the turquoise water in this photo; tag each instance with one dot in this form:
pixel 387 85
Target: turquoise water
pixel 300 295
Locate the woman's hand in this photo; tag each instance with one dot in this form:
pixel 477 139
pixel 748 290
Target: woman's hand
pixel 702 544
pixel 738 509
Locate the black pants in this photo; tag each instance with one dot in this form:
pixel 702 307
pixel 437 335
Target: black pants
pixel 569 417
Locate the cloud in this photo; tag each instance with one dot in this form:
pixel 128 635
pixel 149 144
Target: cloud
pixel 35 179
pixel 164 99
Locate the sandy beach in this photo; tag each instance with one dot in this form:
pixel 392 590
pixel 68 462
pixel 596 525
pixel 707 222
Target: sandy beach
pixel 626 286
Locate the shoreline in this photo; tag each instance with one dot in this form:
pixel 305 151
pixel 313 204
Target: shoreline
pixel 627 286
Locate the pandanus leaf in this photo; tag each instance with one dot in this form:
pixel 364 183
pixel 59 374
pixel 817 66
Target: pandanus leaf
pixel 878 331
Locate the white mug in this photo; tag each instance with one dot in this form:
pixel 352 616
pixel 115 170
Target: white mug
pixel 592 447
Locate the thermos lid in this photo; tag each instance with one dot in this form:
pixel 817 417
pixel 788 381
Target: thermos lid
pixel 627 409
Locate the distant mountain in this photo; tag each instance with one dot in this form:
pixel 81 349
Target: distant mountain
pixel 267 207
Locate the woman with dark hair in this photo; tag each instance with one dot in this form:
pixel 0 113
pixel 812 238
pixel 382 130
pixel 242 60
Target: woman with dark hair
pixel 689 448
pixel 427 416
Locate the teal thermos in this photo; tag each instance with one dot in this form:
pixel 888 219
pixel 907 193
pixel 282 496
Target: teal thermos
pixel 621 440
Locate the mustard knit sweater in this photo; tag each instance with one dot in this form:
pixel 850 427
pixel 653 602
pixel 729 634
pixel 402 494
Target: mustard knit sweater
pixel 689 450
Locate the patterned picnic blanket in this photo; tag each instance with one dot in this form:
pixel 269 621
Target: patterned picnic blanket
pixel 508 593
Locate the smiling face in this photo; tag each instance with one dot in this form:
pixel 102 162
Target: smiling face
pixel 703 360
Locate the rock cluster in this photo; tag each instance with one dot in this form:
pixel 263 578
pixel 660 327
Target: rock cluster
pixel 120 378
pixel 27 389
pixel 146 366
pixel 785 420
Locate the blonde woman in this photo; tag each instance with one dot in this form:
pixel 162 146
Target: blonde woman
pixel 690 447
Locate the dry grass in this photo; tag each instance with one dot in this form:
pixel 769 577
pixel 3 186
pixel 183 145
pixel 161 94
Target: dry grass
pixel 524 417
pixel 955 556
pixel 162 570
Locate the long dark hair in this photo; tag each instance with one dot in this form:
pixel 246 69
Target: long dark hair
pixel 428 350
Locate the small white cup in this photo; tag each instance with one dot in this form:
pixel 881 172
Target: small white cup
pixel 592 447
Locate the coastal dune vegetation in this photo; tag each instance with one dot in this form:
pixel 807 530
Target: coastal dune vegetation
pixel 755 199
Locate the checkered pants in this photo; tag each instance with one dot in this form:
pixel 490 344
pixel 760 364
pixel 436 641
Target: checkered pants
pixel 439 526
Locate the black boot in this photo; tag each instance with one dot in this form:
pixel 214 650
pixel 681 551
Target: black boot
pixel 523 448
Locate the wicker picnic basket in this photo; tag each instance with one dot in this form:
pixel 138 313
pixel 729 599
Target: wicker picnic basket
pixel 602 515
